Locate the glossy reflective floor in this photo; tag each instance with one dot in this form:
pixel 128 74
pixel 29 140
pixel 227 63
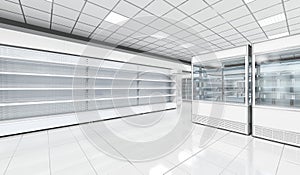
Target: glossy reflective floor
pixel 72 151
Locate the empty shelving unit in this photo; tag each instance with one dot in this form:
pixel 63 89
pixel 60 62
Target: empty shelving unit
pixel 47 89
pixel 221 89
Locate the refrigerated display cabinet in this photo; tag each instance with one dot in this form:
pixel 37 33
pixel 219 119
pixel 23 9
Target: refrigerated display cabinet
pixel 276 107
pixel 221 89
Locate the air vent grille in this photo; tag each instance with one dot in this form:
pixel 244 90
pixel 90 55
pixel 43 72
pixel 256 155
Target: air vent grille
pixel 221 123
pixel 277 135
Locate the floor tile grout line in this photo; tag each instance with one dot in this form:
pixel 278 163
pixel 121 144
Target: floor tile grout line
pixel 83 152
pixel 236 156
pixel 49 153
pixel 207 146
pixel 12 156
pixel 279 161
pixel 116 150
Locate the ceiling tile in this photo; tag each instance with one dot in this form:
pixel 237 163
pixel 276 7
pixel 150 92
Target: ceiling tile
pixel 187 23
pixel 236 13
pixel 259 5
pixel 206 33
pixel 222 28
pixel 141 3
pixel 274 26
pixel 252 32
pixel 133 25
pixel 291 4
pixel 227 5
pixel 295 27
pixel 82 26
pixel 198 28
pixel 177 2
pixel 145 17
pixel 247 27
pixel 172 29
pixel 192 6
pixel 80 33
pixel 36 14
pixel 10 6
pixel 228 33
pixel 11 15
pixel 76 5
pixel 159 24
pixel 148 30
pixel 297 31
pixel 214 22
pixel 182 34
pixel 211 2
pixel 38 22
pixel 274 10
pixel 90 20
pixel 159 7
pixel 293 13
pixel 174 15
pixel 234 37
pixel 294 21
pixel 38 4
pixel 108 4
pixel 61 28
pixel 95 11
pixel 254 37
pixel 126 9
pixel 242 21
pixel 63 21
pixel 108 26
pixel 277 31
pixel 65 12
pixel 204 15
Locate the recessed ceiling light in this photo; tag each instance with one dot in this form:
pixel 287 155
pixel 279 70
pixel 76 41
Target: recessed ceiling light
pixel 272 20
pixel 278 35
pixel 160 35
pixel 248 1
pixel 115 18
pixel 49 0
pixel 187 45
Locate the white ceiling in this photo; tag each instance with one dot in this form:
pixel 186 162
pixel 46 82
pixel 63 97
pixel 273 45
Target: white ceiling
pixel 174 28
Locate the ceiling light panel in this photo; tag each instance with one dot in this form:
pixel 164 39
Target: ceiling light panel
pixel 272 20
pixel 115 18
pixel 160 35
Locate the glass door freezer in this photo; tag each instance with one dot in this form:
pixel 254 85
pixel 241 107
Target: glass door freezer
pixel 276 100
pixel 221 89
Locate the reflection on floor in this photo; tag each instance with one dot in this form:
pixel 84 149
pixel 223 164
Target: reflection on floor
pixel 73 151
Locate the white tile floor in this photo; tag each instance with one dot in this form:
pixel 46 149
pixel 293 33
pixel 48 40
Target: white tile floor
pixel 68 151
